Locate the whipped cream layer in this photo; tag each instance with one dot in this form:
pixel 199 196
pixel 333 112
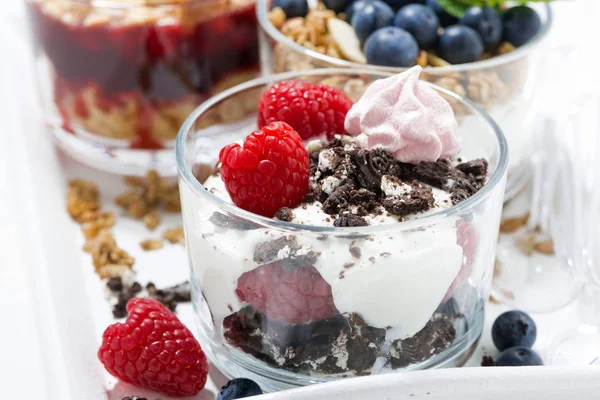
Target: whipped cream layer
pixel 406 117
pixel 395 280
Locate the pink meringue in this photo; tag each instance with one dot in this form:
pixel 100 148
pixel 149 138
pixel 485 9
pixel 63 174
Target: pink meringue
pixel 406 117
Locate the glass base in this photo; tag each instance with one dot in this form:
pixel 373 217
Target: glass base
pixel 105 156
pixel 576 348
pixel 234 363
pixel 534 283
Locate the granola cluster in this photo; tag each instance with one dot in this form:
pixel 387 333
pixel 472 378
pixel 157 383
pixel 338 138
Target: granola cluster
pixel 144 200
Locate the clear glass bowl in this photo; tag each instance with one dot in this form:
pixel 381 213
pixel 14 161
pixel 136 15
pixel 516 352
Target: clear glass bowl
pixel 118 78
pixel 440 265
pixel 505 86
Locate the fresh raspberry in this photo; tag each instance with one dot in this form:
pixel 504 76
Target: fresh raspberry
pixel 269 172
pixel 153 349
pixel 297 296
pixel 312 110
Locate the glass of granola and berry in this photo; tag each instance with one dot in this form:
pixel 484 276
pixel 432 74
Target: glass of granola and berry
pixel 490 55
pixel 347 227
pixel 118 78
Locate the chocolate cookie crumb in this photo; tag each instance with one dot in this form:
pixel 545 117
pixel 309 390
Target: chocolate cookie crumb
pixel 420 199
pixel 349 220
pixel 349 265
pixel 225 221
pixel 355 251
pixel 287 250
pixel 285 214
pixel 338 200
pixel 487 361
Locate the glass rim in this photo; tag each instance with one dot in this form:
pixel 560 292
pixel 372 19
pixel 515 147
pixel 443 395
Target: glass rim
pixel 275 34
pixel 187 175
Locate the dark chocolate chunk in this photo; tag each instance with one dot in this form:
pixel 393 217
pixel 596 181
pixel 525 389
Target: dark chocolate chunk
pixel 169 297
pixel 349 220
pixel 420 199
pixel 338 200
pixel 458 196
pixel 226 221
pixel 202 171
pixel 437 335
pixel 285 214
pixel 296 256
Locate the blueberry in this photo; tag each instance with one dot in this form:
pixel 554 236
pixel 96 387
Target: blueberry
pixel 337 5
pixel 460 44
pixel 487 22
pixel 366 20
pixel 419 21
pixel 518 357
pixel 520 25
pixel 353 7
pixel 444 18
pixel 397 4
pixel 239 389
pixel 292 8
pixel 391 47
pixel 513 328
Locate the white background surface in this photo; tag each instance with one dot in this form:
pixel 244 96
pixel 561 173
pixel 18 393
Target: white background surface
pixel 33 354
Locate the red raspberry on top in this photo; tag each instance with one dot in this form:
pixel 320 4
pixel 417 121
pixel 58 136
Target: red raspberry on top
pixel 153 349
pixel 312 110
pixel 297 297
pixel 268 172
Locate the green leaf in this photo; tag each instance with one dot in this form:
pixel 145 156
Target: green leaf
pixel 454 7
pixel 457 8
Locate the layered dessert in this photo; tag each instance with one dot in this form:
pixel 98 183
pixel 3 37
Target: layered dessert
pixel 129 72
pixel 327 244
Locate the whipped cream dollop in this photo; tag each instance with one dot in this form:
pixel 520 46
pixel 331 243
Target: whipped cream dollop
pixel 406 117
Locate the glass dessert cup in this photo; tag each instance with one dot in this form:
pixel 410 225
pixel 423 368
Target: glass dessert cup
pixel 434 271
pixel 117 79
pixel 506 86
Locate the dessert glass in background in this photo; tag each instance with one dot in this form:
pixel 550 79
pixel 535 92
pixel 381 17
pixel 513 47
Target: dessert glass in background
pixel 505 85
pixel 433 272
pixel 118 78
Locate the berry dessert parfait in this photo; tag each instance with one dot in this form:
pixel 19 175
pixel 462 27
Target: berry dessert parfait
pixel 331 238
pixel 490 55
pixel 118 78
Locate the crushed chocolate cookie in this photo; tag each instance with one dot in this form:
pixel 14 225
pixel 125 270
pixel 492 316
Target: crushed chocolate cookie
pixel 487 361
pixel 134 398
pixel 341 275
pixel 478 168
pixel 437 335
pixel 226 221
pixel 438 174
pixel 285 214
pixel 349 220
pixel 355 251
pixel 170 296
pixel 332 345
pixel 202 171
pixel 338 200
pixel 349 265
pixel 419 199
pixel 368 167
pixel 287 250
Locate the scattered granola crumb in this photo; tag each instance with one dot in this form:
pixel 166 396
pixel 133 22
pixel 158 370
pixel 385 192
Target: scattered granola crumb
pixel 546 247
pixel 505 47
pixel 152 219
pixel 422 59
pixel 93 222
pixel 493 300
pixel 174 235
pixel 145 196
pixel 82 198
pixel 277 17
pixel 510 225
pixel 497 268
pixel 487 361
pixel 526 243
pixel 108 259
pixel 151 244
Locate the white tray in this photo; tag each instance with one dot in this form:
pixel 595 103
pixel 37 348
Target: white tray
pixel 55 302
